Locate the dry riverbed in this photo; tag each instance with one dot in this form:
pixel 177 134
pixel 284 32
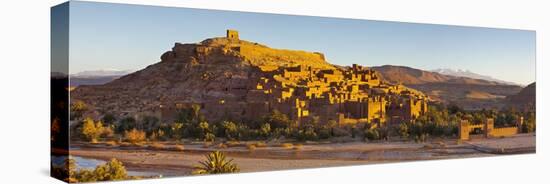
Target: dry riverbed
pixel 171 162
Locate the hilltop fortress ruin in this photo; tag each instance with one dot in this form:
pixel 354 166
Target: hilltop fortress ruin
pixel 235 79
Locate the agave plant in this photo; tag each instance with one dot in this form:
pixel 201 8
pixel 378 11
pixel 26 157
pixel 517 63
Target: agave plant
pixel 216 163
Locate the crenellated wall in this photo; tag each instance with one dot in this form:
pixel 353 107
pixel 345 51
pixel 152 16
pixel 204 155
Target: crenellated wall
pixel 488 128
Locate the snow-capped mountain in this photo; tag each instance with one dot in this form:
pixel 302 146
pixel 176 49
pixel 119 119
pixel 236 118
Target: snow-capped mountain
pixel 469 74
pixel 101 73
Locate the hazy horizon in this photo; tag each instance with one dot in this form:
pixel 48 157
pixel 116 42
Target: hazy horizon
pixel 131 37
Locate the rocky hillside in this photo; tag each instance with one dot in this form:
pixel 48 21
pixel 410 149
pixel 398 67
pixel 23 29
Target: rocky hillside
pixel 467 92
pixel 525 99
pixel 216 68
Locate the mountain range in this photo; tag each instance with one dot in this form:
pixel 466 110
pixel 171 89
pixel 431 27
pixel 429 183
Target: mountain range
pixel 469 74
pixel 96 77
pixel 469 93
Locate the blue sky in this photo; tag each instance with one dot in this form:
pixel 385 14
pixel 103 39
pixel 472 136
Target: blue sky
pixel 130 37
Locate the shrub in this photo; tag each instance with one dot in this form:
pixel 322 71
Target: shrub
pixel 209 137
pixel 529 127
pixel 126 124
pixel 134 136
pixel 332 124
pixel 325 132
pixel 149 123
pixel 230 130
pixel 340 132
pixel 305 134
pixel 309 134
pixel 245 133
pixel 372 134
pixel 421 138
pixel 77 109
pixel 530 124
pixel 216 163
pixel 278 119
pixel 158 135
pixel 265 130
pixel 403 130
pixel 176 131
pixel 109 119
pixel 278 132
pixel 91 131
pixel 111 171
pixel 203 125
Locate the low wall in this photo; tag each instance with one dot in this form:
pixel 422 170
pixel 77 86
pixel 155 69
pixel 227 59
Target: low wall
pixel 464 129
pixel 508 131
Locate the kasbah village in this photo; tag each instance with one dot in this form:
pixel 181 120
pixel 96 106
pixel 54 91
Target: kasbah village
pixel 277 109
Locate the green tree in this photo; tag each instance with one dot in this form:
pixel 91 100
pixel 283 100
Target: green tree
pixel 230 130
pixel 529 125
pixel 332 124
pixel 403 130
pixel 176 130
pixel 278 120
pixel 109 119
pixel 150 123
pixel 309 133
pixel 216 163
pixel 204 128
pixel 196 109
pixel 265 130
pixel 125 124
pixel 372 134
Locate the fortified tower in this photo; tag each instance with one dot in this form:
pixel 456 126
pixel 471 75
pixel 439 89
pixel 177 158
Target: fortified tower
pixel 232 35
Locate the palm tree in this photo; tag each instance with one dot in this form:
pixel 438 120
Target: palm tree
pixel 216 163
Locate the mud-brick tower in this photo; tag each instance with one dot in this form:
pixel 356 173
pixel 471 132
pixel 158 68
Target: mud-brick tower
pixel 232 35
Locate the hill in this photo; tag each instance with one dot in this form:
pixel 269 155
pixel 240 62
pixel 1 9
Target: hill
pixel 469 74
pixel 230 78
pixel 525 99
pixel 463 91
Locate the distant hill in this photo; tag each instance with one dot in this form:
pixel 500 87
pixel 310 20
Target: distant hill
pixel 467 92
pixel 91 80
pixel 408 75
pixel 525 99
pixel 101 73
pixel 469 74
pixel 96 77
